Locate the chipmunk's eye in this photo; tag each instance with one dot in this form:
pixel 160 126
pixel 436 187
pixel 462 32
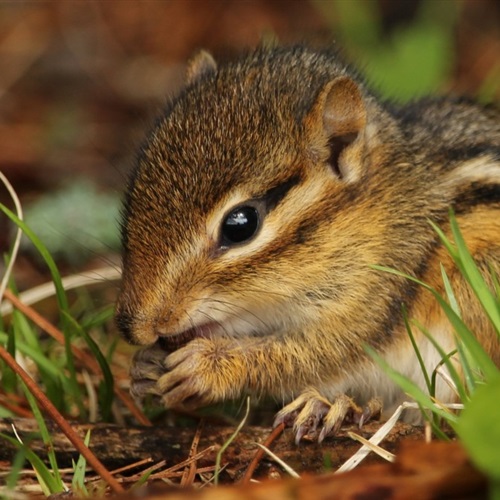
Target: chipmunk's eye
pixel 240 225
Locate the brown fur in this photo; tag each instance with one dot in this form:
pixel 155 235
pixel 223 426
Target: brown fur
pixel 292 308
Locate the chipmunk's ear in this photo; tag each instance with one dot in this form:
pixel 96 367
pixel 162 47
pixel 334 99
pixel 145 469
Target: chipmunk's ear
pixel 200 65
pixel 339 116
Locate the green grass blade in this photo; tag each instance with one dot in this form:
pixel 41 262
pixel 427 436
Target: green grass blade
pixel 78 481
pixel 417 352
pixel 496 283
pixel 98 318
pixel 44 432
pixel 15 469
pixel 434 421
pixel 389 270
pixel 62 301
pixel 47 481
pixel 471 343
pixel 450 294
pixel 22 327
pixel 60 292
pixel 22 331
pixel 231 438
pixel 468 268
pixel 106 392
pixel 445 359
pixel 450 248
pixel 465 359
pixel 411 388
pixel 5 413
pixel 141 481
pixel 50 374
pixel 53 371
pixel 476 350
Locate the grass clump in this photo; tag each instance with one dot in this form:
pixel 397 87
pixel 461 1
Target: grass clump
pixel 479 386
pixel 46 370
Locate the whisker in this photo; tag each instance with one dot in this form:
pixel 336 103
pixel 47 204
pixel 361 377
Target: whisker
pixel 234 315
pixel 237 307
pixel 215 321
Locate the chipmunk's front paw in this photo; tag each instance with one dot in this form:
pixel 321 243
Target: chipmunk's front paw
pixel 147 367
pixel 202 372
pixel 311 412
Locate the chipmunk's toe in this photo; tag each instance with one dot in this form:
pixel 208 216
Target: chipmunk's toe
pixel 314 416
pixel 371 411
pixel 147 367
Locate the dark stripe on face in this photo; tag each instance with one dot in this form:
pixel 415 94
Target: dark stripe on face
pixel 276 194
pixel 477 193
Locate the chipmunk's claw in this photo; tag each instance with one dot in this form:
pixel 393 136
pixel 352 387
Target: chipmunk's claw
pixel 371 411
pixel 311 411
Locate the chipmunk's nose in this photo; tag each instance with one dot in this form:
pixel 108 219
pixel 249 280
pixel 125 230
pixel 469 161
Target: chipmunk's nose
pixel 135 332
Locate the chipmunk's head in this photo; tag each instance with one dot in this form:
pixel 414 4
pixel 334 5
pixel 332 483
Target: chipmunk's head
pixel 232 221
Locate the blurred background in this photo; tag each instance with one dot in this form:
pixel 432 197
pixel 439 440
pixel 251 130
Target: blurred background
pixel 81 81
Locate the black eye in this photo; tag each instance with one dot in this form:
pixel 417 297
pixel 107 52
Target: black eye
pixel 240 225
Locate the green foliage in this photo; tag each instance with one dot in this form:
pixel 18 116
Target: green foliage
pixel 47 441
pixel 78 481
pixel 479 429
pixel 491 85
pixel 479 390
pixel 416 59
pixel 57 372
pixel 76 221
pixel 228 442
pixel 47 480
pixel 466 265
pixel 106 388
pixel 62 302
pixel 15 469
pixel 409 387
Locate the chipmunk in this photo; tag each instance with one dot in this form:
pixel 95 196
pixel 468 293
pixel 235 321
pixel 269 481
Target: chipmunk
pixel 260 202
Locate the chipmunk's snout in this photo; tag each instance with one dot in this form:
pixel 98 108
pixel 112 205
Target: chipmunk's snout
pixel 124 323
pixel 132 330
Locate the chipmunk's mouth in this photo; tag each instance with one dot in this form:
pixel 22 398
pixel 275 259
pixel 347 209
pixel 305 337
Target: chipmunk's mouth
pixel 178 340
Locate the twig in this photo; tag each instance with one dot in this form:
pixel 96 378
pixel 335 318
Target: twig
pixel 126 468
pixel 278 460
pixel 120 470
pixel 261 452
pixel 189 473
pixel 16 409
pixel 386 455
pixel 19 233
pixel 376 438
pixel 52 411
pixel 171 471
pixel 48 289
pixel 171 475
pixel 82 356
pixel 184 463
